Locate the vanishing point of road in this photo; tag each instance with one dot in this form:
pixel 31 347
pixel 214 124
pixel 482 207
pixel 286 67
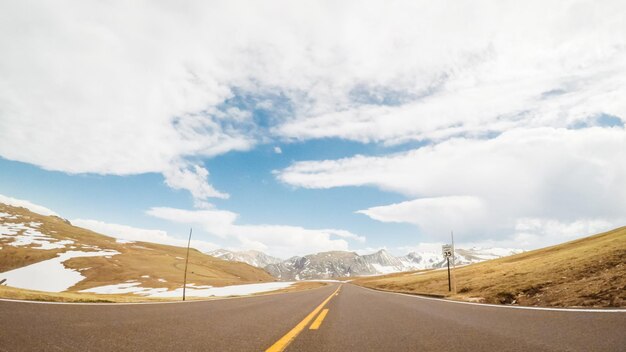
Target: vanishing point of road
pixel 337 317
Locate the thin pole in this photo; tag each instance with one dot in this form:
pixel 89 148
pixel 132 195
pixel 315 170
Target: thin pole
pixel 449 286
pixel 186 263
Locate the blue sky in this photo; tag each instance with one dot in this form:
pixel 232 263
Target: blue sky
pixel 255 194
pixel 298 128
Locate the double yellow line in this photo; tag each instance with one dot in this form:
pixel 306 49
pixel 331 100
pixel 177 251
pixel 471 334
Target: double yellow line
pixel 284 341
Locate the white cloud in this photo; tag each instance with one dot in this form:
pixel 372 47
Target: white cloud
pixel 437 215
pixel 277 240
pixel 84 90
pixel 194 179
pixel 432 247
pixel 538 232
pixel 138 234
pixel 35 208
pixel 483 188
pixel 277 150
pixel 533 233
pixel 482 69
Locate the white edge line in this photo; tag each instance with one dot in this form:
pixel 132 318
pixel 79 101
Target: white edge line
pixel 109 304
pixel 486 305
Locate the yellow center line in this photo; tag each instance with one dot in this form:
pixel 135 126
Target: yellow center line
pixel 284 341
pixel 320 318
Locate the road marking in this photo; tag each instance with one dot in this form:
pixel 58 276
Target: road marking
pixel 487 305
pixel 320 318
pixel 284 341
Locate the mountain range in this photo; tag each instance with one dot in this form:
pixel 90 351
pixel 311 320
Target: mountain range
pixel 339 264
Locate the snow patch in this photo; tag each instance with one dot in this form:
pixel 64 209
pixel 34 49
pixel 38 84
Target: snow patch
pixel 192 290
pixel 27 235
pixel 50 275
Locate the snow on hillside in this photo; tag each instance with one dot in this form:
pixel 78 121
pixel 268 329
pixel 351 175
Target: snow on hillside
pixel 26 234
pixel 50 275
pixel 191 291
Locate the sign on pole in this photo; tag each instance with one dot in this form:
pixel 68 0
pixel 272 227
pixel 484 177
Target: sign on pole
pixel 446 250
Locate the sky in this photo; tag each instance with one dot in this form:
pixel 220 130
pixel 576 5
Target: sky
pixel 294 128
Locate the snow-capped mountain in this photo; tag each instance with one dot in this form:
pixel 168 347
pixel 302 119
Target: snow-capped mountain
pixel 325 265
pixel 383 262
pixel 254 258
pixel 337 264
pixel 423 260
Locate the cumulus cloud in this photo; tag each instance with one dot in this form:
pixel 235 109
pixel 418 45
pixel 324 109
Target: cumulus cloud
pixel 483 188
pixel 138 234
pixel 480 70
pixel 194 179
pixel 537 232
pixel 278 240
pixel 35 208
pixel 84 90
pixel 436 215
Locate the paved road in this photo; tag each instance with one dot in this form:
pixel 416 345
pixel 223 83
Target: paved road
pixel 360 319
pixel 356 319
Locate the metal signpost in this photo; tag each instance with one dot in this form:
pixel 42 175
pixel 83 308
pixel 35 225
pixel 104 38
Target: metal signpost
pixel 447 250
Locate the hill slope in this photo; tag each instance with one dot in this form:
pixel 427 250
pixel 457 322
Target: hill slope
pixel 47 253
pixel 587 272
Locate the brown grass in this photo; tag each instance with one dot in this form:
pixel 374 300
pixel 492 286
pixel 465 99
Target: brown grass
pixel 589 272
pixel 21 294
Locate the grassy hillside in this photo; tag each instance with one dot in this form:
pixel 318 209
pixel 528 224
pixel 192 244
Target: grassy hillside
pixel 153 265
pixel 589 272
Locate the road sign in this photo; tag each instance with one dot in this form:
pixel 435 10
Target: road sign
pixel 447 250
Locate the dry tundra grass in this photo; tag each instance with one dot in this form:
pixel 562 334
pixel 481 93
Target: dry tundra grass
pixel 589 272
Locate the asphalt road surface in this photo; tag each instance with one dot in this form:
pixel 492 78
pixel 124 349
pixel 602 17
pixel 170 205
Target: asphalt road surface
pixel 332 318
